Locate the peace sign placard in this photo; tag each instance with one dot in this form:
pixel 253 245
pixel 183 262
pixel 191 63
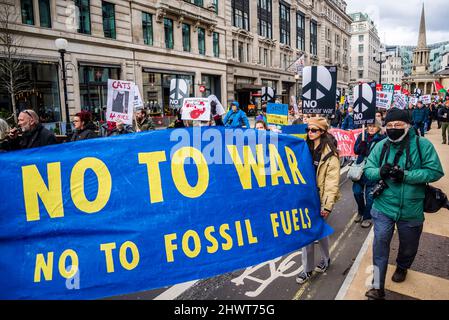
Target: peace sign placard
pixel 365 104
pixel 319 89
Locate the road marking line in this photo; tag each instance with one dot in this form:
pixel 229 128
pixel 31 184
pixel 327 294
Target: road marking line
pixel 175 291
pixel 355 267
pixel 332 249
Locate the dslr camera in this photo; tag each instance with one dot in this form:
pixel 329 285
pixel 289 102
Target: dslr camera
pixel 379 189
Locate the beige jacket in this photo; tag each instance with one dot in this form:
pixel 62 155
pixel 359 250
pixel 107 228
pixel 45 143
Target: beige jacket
pixel 328 179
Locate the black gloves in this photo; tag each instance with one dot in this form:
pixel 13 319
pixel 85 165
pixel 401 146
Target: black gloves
pixel 397 175
pixel 385 171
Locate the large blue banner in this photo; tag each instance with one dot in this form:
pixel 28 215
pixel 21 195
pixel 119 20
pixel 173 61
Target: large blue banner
pixel 117 215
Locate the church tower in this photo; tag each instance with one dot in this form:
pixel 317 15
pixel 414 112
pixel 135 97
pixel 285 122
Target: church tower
pixel 421 55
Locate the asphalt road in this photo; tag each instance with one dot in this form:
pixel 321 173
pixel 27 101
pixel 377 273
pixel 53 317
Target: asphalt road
pixel 275 280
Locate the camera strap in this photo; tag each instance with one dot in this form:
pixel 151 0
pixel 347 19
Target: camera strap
pixel 405 145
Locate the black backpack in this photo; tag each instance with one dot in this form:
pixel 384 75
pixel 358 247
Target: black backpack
pixel 435 198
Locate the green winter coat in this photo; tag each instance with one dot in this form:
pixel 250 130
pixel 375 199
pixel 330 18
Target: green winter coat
pixel 405 201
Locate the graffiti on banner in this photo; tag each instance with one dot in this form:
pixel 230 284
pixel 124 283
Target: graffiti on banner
pixel 196 109
pixel 72 212
pixel 120 103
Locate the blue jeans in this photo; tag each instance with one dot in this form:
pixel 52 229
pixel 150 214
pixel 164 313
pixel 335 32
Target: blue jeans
pixel 420 127
pixel 362 194
pixel 409 235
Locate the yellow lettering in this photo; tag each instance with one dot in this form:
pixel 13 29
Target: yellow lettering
pixel 152 160
pixel 208 234
pixel 286 223
pixel 238 230
pixel 304 226
pixel 309 223
pixel 295 219
pixel 251 238
pixel 293 164
pixel 228 244
pixel 34 187
pixel 107 248
pixel 170 247
pixel 73 267
pixel 77 185
pixel 196 244
pixel 134 252
pixel 275 161
pixel 179 175
pixel 274 224
pixel 45 267
pixel 249 164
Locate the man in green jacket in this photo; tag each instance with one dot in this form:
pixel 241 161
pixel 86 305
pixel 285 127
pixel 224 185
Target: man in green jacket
pixel 143 121
pixel 396 163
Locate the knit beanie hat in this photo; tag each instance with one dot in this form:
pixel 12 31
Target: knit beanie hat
pixel 396 114
pixel 319 122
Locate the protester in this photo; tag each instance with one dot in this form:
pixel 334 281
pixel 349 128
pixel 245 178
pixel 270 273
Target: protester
pixel 121 128
pixel 263 113
pixel 362 188
pixel 336 117
pixel 84 127
pixel 34 134
pixel 178 122
pixel 419 117
pixel 4 130
pixel 215 117
pixel 399 196
pixel 143 121
pixel 261 125
pixel 236 118
pixel 380 119
pixel 439 107
pixel 348 123
pixel 327 167
pixel 443 115
pixel 410 109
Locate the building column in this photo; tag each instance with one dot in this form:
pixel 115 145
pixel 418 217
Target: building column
pixel 177 35
pixel 276 35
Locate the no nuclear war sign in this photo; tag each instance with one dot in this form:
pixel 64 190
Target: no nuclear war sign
pixel 319 89
pixel 365 104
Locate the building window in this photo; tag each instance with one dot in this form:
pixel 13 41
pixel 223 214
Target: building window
pixel 361 61
pixel 41 94
pixel 83 7
pixel 186 37
pixel 201 41
pixel 108 20
pixel 216 41
pixel 361 38
pixel 240 14
pixel 360 74
pixel 215 2
pixel 147 26
pixel 199 3
pixel 27 12
pixel 45 13
pixel 168 32
pixel 361 48
pixel 313 38
pixel 240 52
pixel 264 14
pixel 284 23
pixel 94 87
pixel 300 31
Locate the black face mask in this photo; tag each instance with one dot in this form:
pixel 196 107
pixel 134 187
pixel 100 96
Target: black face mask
pixel 395 134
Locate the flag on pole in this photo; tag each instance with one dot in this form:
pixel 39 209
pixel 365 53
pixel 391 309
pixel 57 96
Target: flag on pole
pixel 439 88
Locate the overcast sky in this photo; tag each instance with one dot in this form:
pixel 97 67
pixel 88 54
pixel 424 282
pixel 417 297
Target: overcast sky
pixel 398 21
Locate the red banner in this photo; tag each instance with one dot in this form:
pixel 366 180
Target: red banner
pixel 346 141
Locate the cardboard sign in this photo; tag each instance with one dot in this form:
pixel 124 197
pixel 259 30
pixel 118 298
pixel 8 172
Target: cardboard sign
pixel 218 110
pixel 120 103
pixel 277 114
pixel 365 104
pixel 319 90
pixel 400 101
pixel 427 99
pixel 383 99
pixel 196 109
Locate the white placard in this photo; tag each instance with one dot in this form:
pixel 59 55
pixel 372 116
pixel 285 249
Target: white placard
pixel 220 110
pixel 427 99
pixel 383 99
pixel 196 109
pixel 120 103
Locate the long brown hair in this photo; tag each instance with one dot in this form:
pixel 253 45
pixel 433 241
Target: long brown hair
pixel 326 139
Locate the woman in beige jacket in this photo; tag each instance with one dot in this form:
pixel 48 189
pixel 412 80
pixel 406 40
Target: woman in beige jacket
pixel 326 162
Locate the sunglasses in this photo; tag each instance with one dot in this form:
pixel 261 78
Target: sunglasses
pixel 313 130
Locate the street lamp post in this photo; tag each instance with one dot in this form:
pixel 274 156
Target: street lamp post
pixel 61 45
pixel 380 62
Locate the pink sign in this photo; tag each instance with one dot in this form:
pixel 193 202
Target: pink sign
pixel 346 141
